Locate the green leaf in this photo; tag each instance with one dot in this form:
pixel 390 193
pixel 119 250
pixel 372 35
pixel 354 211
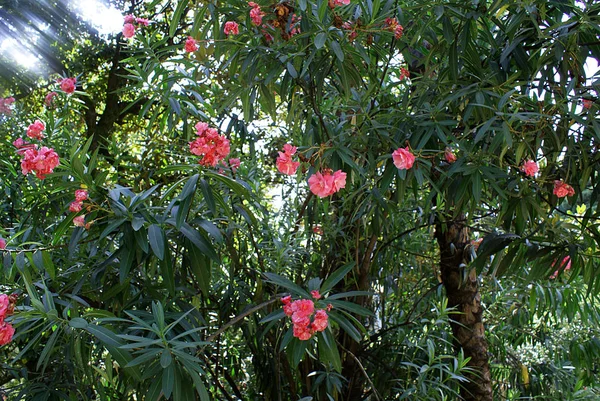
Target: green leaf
pixel 174 23
pixel 78 323
pixel 287 284
pixel 190 187
pixel 336 276
pixel 165 359
pixel 168 381
pixel 200 267
pixel 337 49
pixel 328 350
pixel 168 273
pixel 320 40
pixel 200 241
pixel 156 237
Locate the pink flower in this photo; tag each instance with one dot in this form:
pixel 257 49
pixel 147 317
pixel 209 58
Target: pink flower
pixel 67 85
pixel 81 195
pixel 303 307
pixel 5 105
pixel 315 294
pixel 320 185
pixel 336 3
pixel 2 243
pixel 50 98
pixel 142 21
pixel 587 103
pixel 294 25
pixel 129 19
pixel 79 221
pixel 6 333
pixel 566 261
pixel 326 184
pixel 300 320
pixel 231 28
pixel 339 181
pixel 75 207
pixel 22 145
pixel 562 189
pixel 530 168
pixel 329 307
pixel 321 321
pixel 234 163
pixel 302 332
pixel 286 300
pixel 285 164
pixel 191 46
pixel 34 130
pixel 403 158
pixel 449 156
pixel 398 32
pixel 128 30
pixel 256 14
pixel 289 149
pixel 210 145
pixel 404 73
pixel 4 306
pixel 42 162
pixel 352 34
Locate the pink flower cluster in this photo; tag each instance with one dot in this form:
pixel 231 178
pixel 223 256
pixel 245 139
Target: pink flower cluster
pixel 129 25
pixel 326 183
pixel 284 161
pixel 2 243
pixel 530 168
pixel 67 85
pixel 562 189
pixel 35 130
pixel 7 307
pixel 77 204
pixel 256 14
pixel 5 105
pixel 191 45
pixel 336 3
pixel 393 25
pixel 403 158
pixel 304 318
pixel 40 161
pixel 231 28
pixel 210 145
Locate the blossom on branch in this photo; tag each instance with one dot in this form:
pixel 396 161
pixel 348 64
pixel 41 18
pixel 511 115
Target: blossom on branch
pixel 403 158
pixel 562 189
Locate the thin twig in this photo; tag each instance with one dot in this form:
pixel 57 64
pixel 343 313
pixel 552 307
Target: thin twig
pixel 364 372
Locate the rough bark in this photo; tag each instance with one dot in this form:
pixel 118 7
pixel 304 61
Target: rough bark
pixel 462 290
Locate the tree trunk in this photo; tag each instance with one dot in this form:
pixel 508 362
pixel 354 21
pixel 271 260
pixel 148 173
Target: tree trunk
pixel 463 294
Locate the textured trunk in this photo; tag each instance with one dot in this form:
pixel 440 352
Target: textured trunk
pixel 462 290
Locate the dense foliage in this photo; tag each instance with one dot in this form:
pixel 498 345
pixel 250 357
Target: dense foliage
pixel 327 200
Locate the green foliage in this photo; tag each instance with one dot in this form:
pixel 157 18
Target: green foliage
pixel 172 290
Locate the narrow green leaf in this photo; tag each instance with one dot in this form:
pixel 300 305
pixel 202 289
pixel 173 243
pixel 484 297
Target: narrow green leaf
pixel 156 237
pixel 335 277
pixel 320 40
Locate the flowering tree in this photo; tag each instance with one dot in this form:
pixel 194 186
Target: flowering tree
pixel 329 164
